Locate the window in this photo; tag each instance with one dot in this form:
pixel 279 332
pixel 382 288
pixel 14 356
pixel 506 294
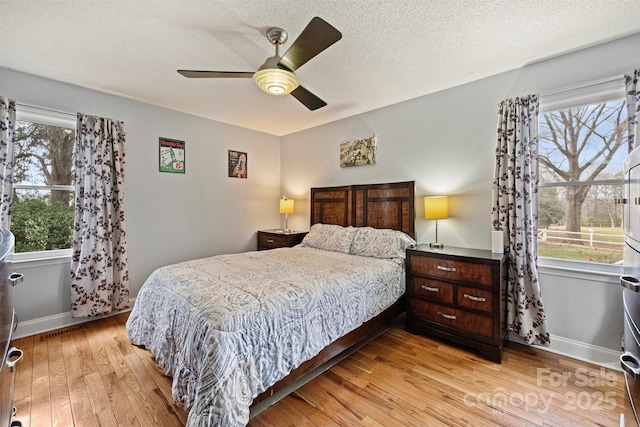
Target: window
pixel 582 143
pixel 42 210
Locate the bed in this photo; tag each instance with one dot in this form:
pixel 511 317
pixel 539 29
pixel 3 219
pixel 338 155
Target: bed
pixel 234 329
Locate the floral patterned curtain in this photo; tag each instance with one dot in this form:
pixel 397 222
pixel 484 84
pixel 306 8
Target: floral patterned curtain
pixel 633 107
pixel 7 128
pixel 514 211
pixel 99 269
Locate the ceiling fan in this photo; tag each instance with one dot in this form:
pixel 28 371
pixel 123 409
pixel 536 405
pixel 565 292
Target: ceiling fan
pixel 277 75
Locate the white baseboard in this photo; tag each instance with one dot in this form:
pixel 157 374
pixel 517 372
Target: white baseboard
pixel 600 356
pixel 57 321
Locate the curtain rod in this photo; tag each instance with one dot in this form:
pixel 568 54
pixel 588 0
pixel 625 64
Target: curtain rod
pixel 611 79
pixel 22 104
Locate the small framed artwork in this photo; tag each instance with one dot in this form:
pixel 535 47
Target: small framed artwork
pixel 237 164
pixel 172 155
pixel 358 152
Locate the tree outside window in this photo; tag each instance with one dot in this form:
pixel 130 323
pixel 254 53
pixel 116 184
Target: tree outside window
pixel 581 154
pixel 42 210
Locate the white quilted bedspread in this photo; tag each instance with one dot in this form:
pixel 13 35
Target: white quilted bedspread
pixel 228 327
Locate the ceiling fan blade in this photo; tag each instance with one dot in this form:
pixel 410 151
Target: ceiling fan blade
pixel 316 37
pixel 194 74
pixel 309 100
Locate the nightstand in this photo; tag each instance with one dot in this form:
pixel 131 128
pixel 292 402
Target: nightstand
pixel 271 239
pixel 457 294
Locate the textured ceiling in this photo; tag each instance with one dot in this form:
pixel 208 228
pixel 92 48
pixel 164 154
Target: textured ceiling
pixel 390 51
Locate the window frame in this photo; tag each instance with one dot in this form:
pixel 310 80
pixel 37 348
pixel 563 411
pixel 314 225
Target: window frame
pixel 601 91
pixel 45 116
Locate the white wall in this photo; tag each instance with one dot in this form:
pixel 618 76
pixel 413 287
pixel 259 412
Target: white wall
pixel 445 142
pixel 169 217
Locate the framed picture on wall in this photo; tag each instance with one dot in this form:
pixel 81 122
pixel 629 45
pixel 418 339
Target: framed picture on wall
pixel 358 152
pixel 237 164
pixel 172 155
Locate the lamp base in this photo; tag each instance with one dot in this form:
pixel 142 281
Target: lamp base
pixel 436 245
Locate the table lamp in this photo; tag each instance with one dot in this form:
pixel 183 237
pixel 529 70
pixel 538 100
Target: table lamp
pixel 286 207
pixel 436 207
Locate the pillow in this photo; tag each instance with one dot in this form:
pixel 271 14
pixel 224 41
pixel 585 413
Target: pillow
pixel 330 237
pixel 380 243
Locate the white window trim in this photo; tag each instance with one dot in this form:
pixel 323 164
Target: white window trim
pixel 42 258
pixel 55 118
pixel 609 273
pixel 45 116
pixel 604 90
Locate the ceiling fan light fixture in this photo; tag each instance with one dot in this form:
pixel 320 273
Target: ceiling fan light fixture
pixel 276 81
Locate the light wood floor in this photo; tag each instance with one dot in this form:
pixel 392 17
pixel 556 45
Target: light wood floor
pixel 92 376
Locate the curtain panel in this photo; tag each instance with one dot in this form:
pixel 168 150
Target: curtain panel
pixel 514 211
pixel 99 268
pixel 7 134
pixel 633 107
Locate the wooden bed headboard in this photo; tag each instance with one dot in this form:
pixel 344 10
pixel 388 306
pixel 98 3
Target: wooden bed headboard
pixel 369 205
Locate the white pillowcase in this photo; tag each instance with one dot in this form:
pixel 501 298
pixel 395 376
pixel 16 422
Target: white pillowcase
pixel 363 241
pixel 330 237
pixel 380 243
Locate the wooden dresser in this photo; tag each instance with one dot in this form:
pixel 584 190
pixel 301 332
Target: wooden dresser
pixel 271 239
pixel 457 294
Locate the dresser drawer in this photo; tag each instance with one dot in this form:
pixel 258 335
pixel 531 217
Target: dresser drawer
pixel 480 274
pixel 433 289
pixel 459 319
pixel 272 241
pixel 474 298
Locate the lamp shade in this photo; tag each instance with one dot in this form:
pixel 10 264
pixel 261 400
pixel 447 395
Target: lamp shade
pixel 286 206
pixel 436 207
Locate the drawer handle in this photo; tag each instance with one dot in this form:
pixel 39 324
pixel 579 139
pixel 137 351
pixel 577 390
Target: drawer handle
pixel 269 240
pixel 447 316
pixel 443 268
pixel 474 298
pixel 16 278
pixel 429 288
pixel 620 201
pixel 630 282
pixel 13 356
pixel 637 200
pixel 630 365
